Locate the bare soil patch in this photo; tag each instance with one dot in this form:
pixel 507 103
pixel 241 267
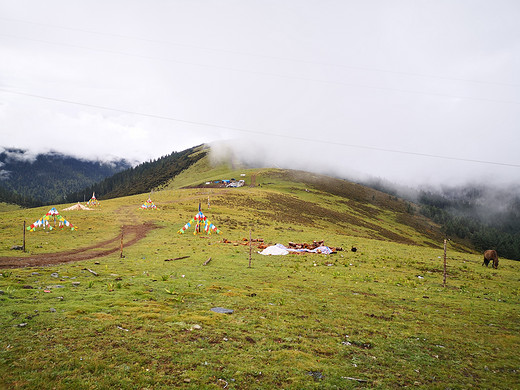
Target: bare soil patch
pixel 131 235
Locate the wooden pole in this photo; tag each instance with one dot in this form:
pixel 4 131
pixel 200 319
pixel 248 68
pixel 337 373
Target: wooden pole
pixel 121 253
pixel 444 280
pixel 249 248
pixel 178 258
pixel 198 229
pixel 24 236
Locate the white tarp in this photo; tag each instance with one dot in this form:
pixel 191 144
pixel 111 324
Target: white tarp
pixel 275 250
pixel 280 249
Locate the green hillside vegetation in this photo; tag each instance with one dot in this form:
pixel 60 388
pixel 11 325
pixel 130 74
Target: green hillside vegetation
pixel 11 197
pixel 144 177
pixel 379 317
pixel 202 171
pixel 467 214
pixel 460 218
pixel 48 177
pixel 8 207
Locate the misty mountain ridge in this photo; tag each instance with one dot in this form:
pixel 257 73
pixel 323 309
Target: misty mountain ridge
pixel 488 204
pixel 41 178
pixel 480 215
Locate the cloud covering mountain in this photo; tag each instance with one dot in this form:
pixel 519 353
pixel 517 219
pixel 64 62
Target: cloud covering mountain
pixel 411 92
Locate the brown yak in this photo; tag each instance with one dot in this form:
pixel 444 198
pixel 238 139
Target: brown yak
pixel 490 255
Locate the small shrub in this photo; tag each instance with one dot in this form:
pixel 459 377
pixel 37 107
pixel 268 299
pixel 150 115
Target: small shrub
pixel 10 290
pixel 171 292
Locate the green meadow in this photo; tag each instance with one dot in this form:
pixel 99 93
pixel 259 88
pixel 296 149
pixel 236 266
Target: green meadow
pixel 376 318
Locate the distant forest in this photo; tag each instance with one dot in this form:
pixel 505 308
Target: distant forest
pixel 142 178
pixel 7 196
pixel 467 218
pixel 483 217
pixel 48 178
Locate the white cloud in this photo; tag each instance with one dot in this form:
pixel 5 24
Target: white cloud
pixel 338 81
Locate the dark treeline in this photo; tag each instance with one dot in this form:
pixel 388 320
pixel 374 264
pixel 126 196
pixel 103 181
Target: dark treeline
pixel 142 178
pixel 47 178
pixel 484 217
pixel 7 196
pixel 469 218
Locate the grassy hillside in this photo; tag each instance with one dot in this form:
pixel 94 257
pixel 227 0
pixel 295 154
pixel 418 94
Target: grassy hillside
pixel 305 198
pixel 202 171
pixel 376 318
pixel 8 207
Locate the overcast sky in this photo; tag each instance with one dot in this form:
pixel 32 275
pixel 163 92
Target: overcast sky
pixel 385 88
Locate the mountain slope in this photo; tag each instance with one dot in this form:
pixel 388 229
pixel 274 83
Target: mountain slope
pixel 455 216
pixel 47 178
pixel 144 177
pixel 480 218
pixel 11 197
pixel 361 314
pixel 295 199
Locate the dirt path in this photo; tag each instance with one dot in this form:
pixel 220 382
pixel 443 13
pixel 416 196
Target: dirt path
pixel 132 234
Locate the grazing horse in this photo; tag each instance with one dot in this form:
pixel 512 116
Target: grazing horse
pixel 490 255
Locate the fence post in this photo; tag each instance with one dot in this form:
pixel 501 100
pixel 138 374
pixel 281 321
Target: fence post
pixel 250 248
pixel 121 253
pixel 24 236
pixel 444 280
